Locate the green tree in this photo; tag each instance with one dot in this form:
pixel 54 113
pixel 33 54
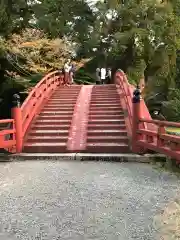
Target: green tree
pixel 59 18
pixel 14 16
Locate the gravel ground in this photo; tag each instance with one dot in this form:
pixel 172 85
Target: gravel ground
pixel 82 200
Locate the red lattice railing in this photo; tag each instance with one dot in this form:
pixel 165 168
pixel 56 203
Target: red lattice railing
pixel 7 134
pixel 160 141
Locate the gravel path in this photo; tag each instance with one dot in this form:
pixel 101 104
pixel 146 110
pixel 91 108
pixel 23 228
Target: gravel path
pixel 82 200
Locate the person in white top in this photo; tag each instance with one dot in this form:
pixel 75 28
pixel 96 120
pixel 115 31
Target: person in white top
pixel 103 75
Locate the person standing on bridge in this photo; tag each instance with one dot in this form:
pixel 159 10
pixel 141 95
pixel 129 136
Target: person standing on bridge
pixel 108 76
pixel 103 75
pixel 72 73
pixel 98 77
pixel 67 68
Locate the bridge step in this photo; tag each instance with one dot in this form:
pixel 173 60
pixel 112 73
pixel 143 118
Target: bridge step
pixel 55 117
pixel 50 127
pixel 108 117
pixel 106 121
pixel 106 129
pixel 106 95
pixel 105 111
pixel 105 108
pixel 56 112
pixel 105 104
pixel 107 132
pixel 45 147
pixel 60 108
pixel 50 132
pixel 108 147
pixel 106 126
pixel 53 121
pixel 111 139
pixel 39 139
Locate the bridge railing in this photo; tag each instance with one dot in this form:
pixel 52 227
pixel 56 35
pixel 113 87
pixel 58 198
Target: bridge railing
pixel 126 92
pixel 149 134
pixel 7 134
pixel 41 92
pixel 159 141
pixel 23 116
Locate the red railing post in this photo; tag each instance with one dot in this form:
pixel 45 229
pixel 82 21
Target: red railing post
pixel 17 116
pixel 161 130
pixel 135 119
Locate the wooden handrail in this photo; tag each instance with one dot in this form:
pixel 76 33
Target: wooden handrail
pixel 23 116
pixel 160 123
pixel 3 121
pixel 41 92
pixel 158 139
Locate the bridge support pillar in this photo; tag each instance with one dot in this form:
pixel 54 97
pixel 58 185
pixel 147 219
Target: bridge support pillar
pixel 135 120
pixel 17 116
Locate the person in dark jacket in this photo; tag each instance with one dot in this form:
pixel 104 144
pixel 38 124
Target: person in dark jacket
pixel 108 76
pixel 98 76
pixel 72 73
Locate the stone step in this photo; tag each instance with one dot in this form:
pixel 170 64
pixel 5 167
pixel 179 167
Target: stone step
pixel 118 157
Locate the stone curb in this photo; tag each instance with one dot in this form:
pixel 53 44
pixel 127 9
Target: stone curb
pixel 147 158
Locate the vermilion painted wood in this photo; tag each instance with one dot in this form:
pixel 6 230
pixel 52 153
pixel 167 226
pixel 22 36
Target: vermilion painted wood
pixel 125 91
pixel 7 142
pixel 160 140
pixel 31 106
pixel 150 133
pixel 41 92
pixel 78 132
pixel 17 116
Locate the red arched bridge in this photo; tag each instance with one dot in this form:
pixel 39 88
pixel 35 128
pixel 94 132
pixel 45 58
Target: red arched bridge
pixel 86 118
